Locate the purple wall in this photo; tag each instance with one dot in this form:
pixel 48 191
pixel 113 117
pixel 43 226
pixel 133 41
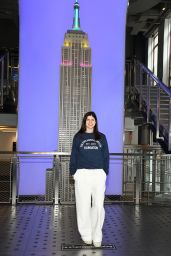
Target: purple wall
pixel 42 27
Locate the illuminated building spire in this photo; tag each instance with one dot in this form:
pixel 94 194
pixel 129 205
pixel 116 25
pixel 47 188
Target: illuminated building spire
pixel 76 20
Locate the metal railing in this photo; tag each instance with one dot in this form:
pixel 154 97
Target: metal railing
pixel 40 168
pixel 146 177
pixel 6 176
pixel 155 101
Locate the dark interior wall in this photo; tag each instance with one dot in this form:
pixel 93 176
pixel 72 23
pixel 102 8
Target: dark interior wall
pixel 136 46
pixel 129 45
pixel 9 34
pixel 140 47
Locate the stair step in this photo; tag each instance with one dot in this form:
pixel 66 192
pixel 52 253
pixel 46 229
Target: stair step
pixel 164 107
pixel 164 96
pixel 164 117
pixel 162 93
pixel 161 96
pixel 161 114
pixel 164 112
pixel 161 109
pixel 155 97
pixel 155 100
pixel 153 93
pixel 161 104
pixel 151 87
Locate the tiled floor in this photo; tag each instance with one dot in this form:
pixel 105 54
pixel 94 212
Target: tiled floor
pixel 36 230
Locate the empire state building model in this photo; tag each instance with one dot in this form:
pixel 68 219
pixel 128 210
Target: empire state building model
pixel 75 82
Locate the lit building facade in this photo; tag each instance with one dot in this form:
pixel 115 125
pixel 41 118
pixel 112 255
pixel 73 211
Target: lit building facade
pixel 75 82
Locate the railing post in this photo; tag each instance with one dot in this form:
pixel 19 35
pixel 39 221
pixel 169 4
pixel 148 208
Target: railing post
pixel 158 111
pixel 56 175
pixel 154 170
pixel 137 191
pixel 14 180
pixel 137 181
pixel 148 192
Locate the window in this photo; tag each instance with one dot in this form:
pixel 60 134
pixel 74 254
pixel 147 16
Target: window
pixel 167 52
pixel 153 52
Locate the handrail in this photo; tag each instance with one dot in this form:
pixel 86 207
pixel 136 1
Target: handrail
pixel 134 167
pixel 161 84
pixel 55 153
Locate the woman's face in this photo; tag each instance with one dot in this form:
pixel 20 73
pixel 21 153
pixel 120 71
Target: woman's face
pixel 90 123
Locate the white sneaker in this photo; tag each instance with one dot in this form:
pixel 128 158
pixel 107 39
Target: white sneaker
pixel 97 244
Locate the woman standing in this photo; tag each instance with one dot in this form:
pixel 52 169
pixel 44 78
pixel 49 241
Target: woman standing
pixel 89 165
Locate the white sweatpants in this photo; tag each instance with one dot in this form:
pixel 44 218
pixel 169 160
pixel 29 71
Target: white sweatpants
pixel 90 214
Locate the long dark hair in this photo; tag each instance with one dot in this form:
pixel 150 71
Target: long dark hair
pixel 83 126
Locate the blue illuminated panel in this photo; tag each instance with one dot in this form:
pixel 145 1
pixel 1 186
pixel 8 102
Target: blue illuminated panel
pixel 42 27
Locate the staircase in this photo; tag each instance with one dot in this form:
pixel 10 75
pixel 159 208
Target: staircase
pixel 155 103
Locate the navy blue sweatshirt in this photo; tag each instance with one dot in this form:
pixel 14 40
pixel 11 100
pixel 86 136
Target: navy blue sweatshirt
pixel 89 153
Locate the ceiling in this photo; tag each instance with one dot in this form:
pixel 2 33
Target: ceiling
pixel 142 15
